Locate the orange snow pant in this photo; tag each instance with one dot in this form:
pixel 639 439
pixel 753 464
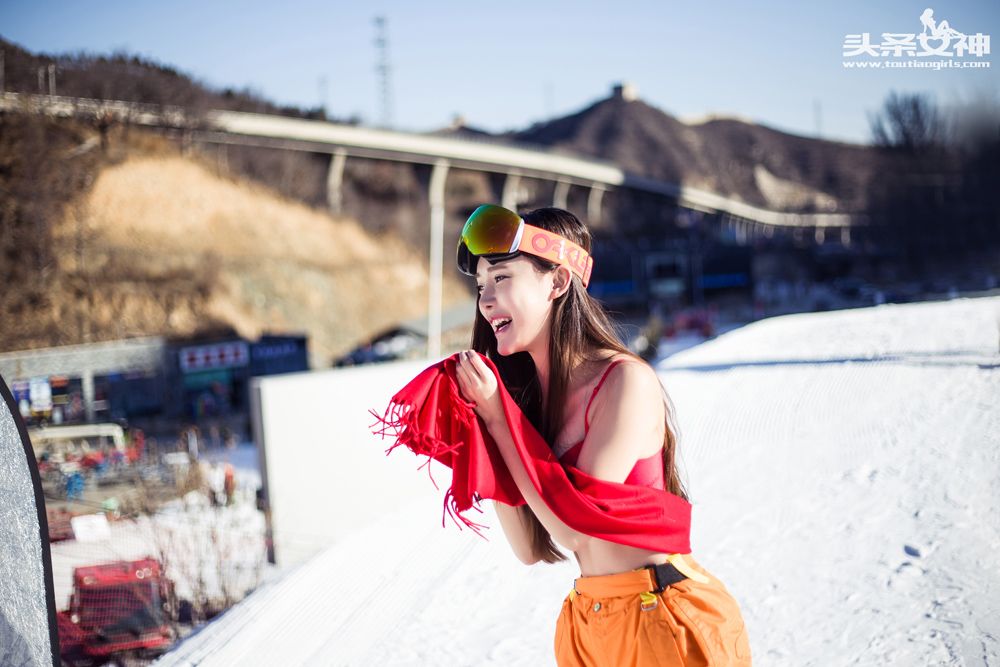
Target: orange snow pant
pixel 618 620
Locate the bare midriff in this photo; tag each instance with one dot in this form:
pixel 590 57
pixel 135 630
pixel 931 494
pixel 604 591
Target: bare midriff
pixel 599 557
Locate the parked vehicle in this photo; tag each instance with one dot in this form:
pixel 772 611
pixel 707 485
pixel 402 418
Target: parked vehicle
pixel 396 343
pixel 69 456
pixel 77 441
pixel 116 610
pixel 697 320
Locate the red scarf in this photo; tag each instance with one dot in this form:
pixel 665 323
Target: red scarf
pixel 430 417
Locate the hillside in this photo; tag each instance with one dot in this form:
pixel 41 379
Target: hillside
pixel 749 162
pixel 161 244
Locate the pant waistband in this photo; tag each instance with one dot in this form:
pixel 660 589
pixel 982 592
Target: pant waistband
pixel 640 580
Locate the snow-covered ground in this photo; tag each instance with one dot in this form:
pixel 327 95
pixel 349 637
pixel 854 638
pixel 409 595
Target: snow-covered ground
pixel 844 469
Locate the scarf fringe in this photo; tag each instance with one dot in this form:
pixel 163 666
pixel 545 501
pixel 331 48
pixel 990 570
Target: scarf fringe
pixel 400 422
pixel 452 509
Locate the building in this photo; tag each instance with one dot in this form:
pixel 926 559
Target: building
pixel 146 380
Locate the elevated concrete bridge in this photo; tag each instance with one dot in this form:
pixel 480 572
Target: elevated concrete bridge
pixel 512 161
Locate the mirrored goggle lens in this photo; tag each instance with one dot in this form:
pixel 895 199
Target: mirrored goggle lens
pixel 490 230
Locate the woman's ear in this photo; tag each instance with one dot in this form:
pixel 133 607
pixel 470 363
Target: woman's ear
pixel 561 281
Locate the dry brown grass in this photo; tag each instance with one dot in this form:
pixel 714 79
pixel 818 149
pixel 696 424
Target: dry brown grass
pixel 164 245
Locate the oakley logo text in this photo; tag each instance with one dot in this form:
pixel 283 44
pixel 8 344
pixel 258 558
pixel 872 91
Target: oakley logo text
pixel 555 246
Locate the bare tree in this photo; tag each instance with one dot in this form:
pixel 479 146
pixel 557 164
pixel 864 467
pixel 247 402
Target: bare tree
pixel 909 122
pixel 935 199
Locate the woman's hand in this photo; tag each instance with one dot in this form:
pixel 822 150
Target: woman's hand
pixel 478 385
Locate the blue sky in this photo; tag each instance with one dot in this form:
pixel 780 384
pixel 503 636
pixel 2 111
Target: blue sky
pixel 506 65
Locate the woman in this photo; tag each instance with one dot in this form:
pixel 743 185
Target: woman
pixel 559 357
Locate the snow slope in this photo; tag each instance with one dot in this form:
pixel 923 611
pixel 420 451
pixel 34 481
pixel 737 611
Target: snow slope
pixel 844 469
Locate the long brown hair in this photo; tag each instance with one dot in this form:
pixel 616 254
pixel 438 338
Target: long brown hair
pixel 580 328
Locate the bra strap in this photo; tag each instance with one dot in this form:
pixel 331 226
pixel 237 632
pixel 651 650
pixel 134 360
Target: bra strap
pixel 586 413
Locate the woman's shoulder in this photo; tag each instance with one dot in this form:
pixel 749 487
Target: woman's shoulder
pixel 621 371
pixel 624 364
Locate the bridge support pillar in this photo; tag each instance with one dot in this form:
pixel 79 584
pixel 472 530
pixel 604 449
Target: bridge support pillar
pixel 222 158
pixel 87 381
pixel 335 181
pixel 561 194
pixel 511 186
pixel 594 204
pixel 437 196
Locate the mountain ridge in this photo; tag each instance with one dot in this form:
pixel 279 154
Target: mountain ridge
pixel 752 163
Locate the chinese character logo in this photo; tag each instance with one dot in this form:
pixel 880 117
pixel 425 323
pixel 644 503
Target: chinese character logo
pixel 937 38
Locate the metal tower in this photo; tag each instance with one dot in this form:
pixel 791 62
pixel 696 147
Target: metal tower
pixel 383 69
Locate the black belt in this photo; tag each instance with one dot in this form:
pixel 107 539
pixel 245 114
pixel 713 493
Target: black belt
pixel 665 574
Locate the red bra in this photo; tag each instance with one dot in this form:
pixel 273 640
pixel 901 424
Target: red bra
pixel 647 471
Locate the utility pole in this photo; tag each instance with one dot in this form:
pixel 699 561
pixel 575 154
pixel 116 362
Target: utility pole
pixel 321 84
pixel 383 70
pixel 52 79
pixel 437 199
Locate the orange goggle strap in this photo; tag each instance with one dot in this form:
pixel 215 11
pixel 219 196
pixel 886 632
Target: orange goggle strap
pixel 556 248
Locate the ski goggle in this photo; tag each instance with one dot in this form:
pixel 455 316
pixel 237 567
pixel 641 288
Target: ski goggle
pixel 496 233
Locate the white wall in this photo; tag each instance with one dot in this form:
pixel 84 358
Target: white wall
pixel 325 473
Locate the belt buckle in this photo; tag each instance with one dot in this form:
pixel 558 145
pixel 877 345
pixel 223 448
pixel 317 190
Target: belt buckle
pixel 650 600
